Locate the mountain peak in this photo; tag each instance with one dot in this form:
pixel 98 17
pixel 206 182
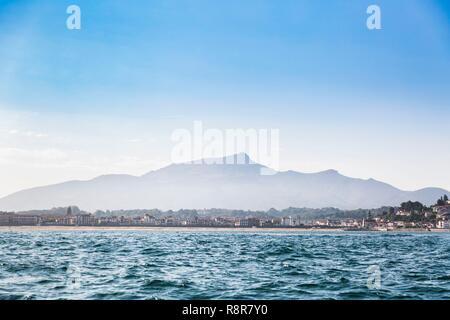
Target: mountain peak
pixel 233 159
pixel 330 172
pixel 238 158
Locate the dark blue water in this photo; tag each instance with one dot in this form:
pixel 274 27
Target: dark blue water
pixel 223 265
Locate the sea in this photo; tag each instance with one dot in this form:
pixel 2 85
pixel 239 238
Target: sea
pixel 193 264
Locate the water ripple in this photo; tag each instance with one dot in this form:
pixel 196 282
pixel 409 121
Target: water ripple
pixel 222 265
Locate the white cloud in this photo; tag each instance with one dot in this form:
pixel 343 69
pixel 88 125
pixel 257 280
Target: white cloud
pixel 46 157
pixel 29 133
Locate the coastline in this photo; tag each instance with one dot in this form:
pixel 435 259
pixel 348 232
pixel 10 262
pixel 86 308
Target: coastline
pixel 197 229
pixel 158 229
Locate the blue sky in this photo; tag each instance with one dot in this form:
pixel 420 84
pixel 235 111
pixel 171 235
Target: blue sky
pixel 363 102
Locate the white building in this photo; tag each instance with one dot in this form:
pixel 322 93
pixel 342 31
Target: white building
pixel 403 213
pixel 148 219
pixel 443 224
pixel 287 222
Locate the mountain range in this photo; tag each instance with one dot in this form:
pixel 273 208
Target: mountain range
pixel 205 185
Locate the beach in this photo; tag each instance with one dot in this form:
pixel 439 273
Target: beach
pixel 158 229
pixel 192 229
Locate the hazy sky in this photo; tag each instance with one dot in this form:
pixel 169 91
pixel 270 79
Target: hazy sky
pixel 75 104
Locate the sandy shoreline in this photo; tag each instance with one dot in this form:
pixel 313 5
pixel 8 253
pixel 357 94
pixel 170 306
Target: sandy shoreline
pixel 185 229
pixel 154 229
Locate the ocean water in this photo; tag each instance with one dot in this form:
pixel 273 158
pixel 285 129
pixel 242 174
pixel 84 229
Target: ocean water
pixel 223 265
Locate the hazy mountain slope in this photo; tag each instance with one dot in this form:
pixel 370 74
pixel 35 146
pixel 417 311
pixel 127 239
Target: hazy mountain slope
pixel 217 186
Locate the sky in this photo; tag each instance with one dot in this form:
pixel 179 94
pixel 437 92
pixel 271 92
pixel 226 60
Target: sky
pixel 75 104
